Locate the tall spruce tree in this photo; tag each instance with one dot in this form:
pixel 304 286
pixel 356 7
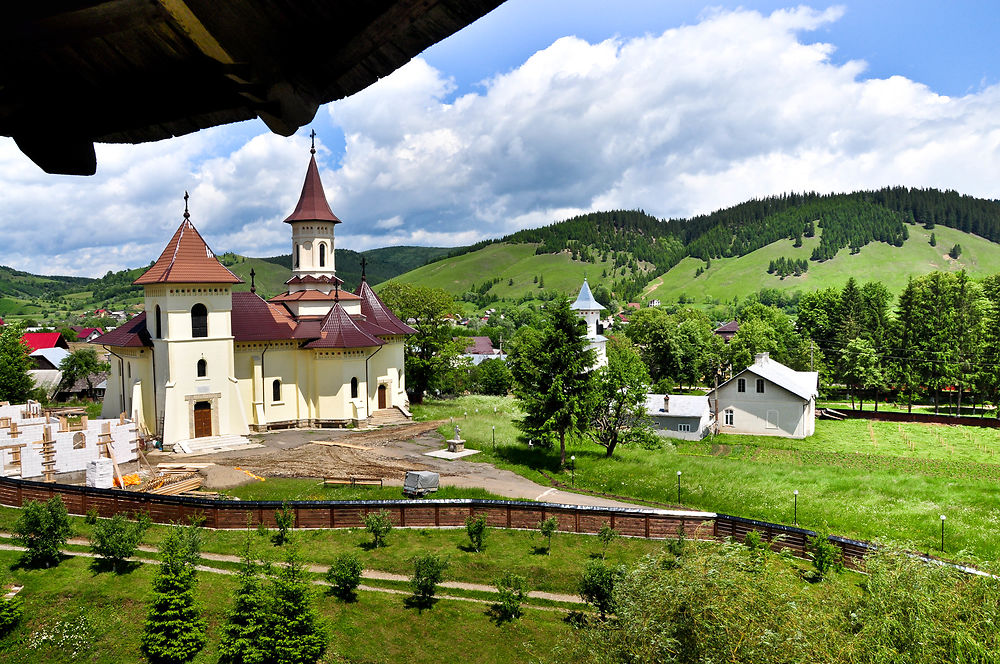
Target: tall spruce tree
pixel 552 376
pixel 175 629
pixel 246 636
pixel 297 632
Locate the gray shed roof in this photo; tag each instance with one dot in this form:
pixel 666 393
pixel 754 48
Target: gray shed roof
pixel 585 300
pixel 681 405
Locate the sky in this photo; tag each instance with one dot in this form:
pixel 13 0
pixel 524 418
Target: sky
pixel 545 109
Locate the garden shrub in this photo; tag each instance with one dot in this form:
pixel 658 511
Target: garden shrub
pixel 826 557
pixel 476 528
pixel 344 576
pixel 428 570
pixel 606 535
pixel 379 525
pixel 117 539
pixel 284 520
pixel 511 591
pixel 11 611
pixel 547 527
pixel 43 528
pixel 597 585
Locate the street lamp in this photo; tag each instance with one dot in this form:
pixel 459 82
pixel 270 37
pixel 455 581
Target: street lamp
pixel 942 533
pixel 796 519
pixel 678 487
pixel 572 468
pixel 494 438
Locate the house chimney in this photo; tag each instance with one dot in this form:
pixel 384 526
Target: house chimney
pixel 760 358
pixel 666 403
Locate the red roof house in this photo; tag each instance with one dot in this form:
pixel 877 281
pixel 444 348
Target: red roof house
pixel 36 340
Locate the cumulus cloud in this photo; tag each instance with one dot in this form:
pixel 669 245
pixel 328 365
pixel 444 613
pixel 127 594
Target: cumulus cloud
pixel 740 104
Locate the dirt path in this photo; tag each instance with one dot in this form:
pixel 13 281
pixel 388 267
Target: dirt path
pixel 387 453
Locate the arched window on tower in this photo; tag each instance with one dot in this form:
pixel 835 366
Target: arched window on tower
pixel 322 255
pixel 354 387
pixel 199 320
pixel 295 256
pixel 159 334
pixel 276 390
pixel 202 368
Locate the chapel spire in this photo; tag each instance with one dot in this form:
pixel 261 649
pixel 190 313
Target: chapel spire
pixel 312 205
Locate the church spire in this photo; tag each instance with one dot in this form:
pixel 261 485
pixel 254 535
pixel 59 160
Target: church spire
pixel 312 205
pixel 364 262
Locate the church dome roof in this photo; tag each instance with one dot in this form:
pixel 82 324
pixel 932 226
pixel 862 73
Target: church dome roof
pixel 585 300
pixel 187 260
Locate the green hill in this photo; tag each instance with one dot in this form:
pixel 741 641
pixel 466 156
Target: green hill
pixel 726 278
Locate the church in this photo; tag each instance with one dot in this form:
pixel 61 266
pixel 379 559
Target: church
pixel 204 362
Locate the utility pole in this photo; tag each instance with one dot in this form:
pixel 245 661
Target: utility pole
pixel 811 355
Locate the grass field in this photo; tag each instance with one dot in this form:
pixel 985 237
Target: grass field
pixel 892 488
pixel 507 261
pixel 76 615
pixel 729 277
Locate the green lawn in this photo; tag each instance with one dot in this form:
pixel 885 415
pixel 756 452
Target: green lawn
pixel 740 276
pixel 75 615
pixel 891 489
pixel 281 488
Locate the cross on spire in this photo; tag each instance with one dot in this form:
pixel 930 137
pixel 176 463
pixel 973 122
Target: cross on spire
pixel 253 286
pixel 364 262
pixel 336 292
pixel 187 215
pixel 312 135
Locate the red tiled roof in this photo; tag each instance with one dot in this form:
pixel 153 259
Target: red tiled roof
pixel 36 340
pixel 187 260
pixel 634 305
pixel 478 345
pixel 375 311
pixel 731 326
pixel 132 334
pixel 339 330
pixel 255 319
pixel 312 205
pixel 312 295
pixel 84 332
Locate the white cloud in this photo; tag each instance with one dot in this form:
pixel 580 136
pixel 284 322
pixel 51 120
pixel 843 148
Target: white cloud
pixel 699 117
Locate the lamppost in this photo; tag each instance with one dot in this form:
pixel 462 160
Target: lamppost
pixel 678 487
pixel 796 519
pixel 572 468
pixel 494 438
pixel 942 533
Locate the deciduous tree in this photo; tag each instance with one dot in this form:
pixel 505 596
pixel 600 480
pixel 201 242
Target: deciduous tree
pixel 15 381
pixel 620 396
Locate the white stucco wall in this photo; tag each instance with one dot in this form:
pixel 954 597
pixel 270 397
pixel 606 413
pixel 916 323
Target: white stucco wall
pixel 790 415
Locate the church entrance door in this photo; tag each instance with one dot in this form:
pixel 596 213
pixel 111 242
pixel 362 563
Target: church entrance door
pixel 381 396
pixel 202 419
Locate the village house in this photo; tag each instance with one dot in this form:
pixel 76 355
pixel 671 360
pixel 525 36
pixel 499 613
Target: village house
pixel 683 416
pixel 202 361
pixel 767 398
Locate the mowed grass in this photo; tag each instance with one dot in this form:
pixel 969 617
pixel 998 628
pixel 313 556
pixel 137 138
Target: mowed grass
pixel 282 488
pixel 740 276
pixel 522 551
pixel 73 614
pixel 893 491
pixel 507 261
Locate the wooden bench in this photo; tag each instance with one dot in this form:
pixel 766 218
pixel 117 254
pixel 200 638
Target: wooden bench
pixel 353 481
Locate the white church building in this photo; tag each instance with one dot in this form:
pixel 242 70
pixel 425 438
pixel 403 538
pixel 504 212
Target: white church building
pixel 203 361
pixel 589 309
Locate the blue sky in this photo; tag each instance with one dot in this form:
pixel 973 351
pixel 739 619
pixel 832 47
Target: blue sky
pixel 544 109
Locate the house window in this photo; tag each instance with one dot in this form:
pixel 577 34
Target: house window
pixel 276 390
pixel 741 384
pixel 322 255
pixel 202 368
pixel 760 386
pixel 772 419
pixel 354 387
pixel 684 427
pixel 729 417
pixel 79 440
pixel 199 320
pixel 159 334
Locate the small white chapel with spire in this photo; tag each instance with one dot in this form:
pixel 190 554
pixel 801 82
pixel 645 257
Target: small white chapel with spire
pixel 589 309
pixel 204 362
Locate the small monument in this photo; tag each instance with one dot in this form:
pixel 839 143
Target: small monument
pixel 456 444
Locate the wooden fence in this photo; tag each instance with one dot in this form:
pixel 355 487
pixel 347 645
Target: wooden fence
pixel 232 514
pixel 990 422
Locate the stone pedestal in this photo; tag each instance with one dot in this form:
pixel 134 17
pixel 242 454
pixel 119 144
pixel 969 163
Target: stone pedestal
pixel 456 445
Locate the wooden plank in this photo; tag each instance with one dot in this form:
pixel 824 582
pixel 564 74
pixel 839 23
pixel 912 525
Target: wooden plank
pixel 337 443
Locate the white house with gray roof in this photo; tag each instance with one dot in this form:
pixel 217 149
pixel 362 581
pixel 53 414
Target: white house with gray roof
pixel 589 309
pixel 684 416
pixel 768 399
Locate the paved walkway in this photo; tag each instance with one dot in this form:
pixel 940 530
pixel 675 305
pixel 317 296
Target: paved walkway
pixel 319 569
